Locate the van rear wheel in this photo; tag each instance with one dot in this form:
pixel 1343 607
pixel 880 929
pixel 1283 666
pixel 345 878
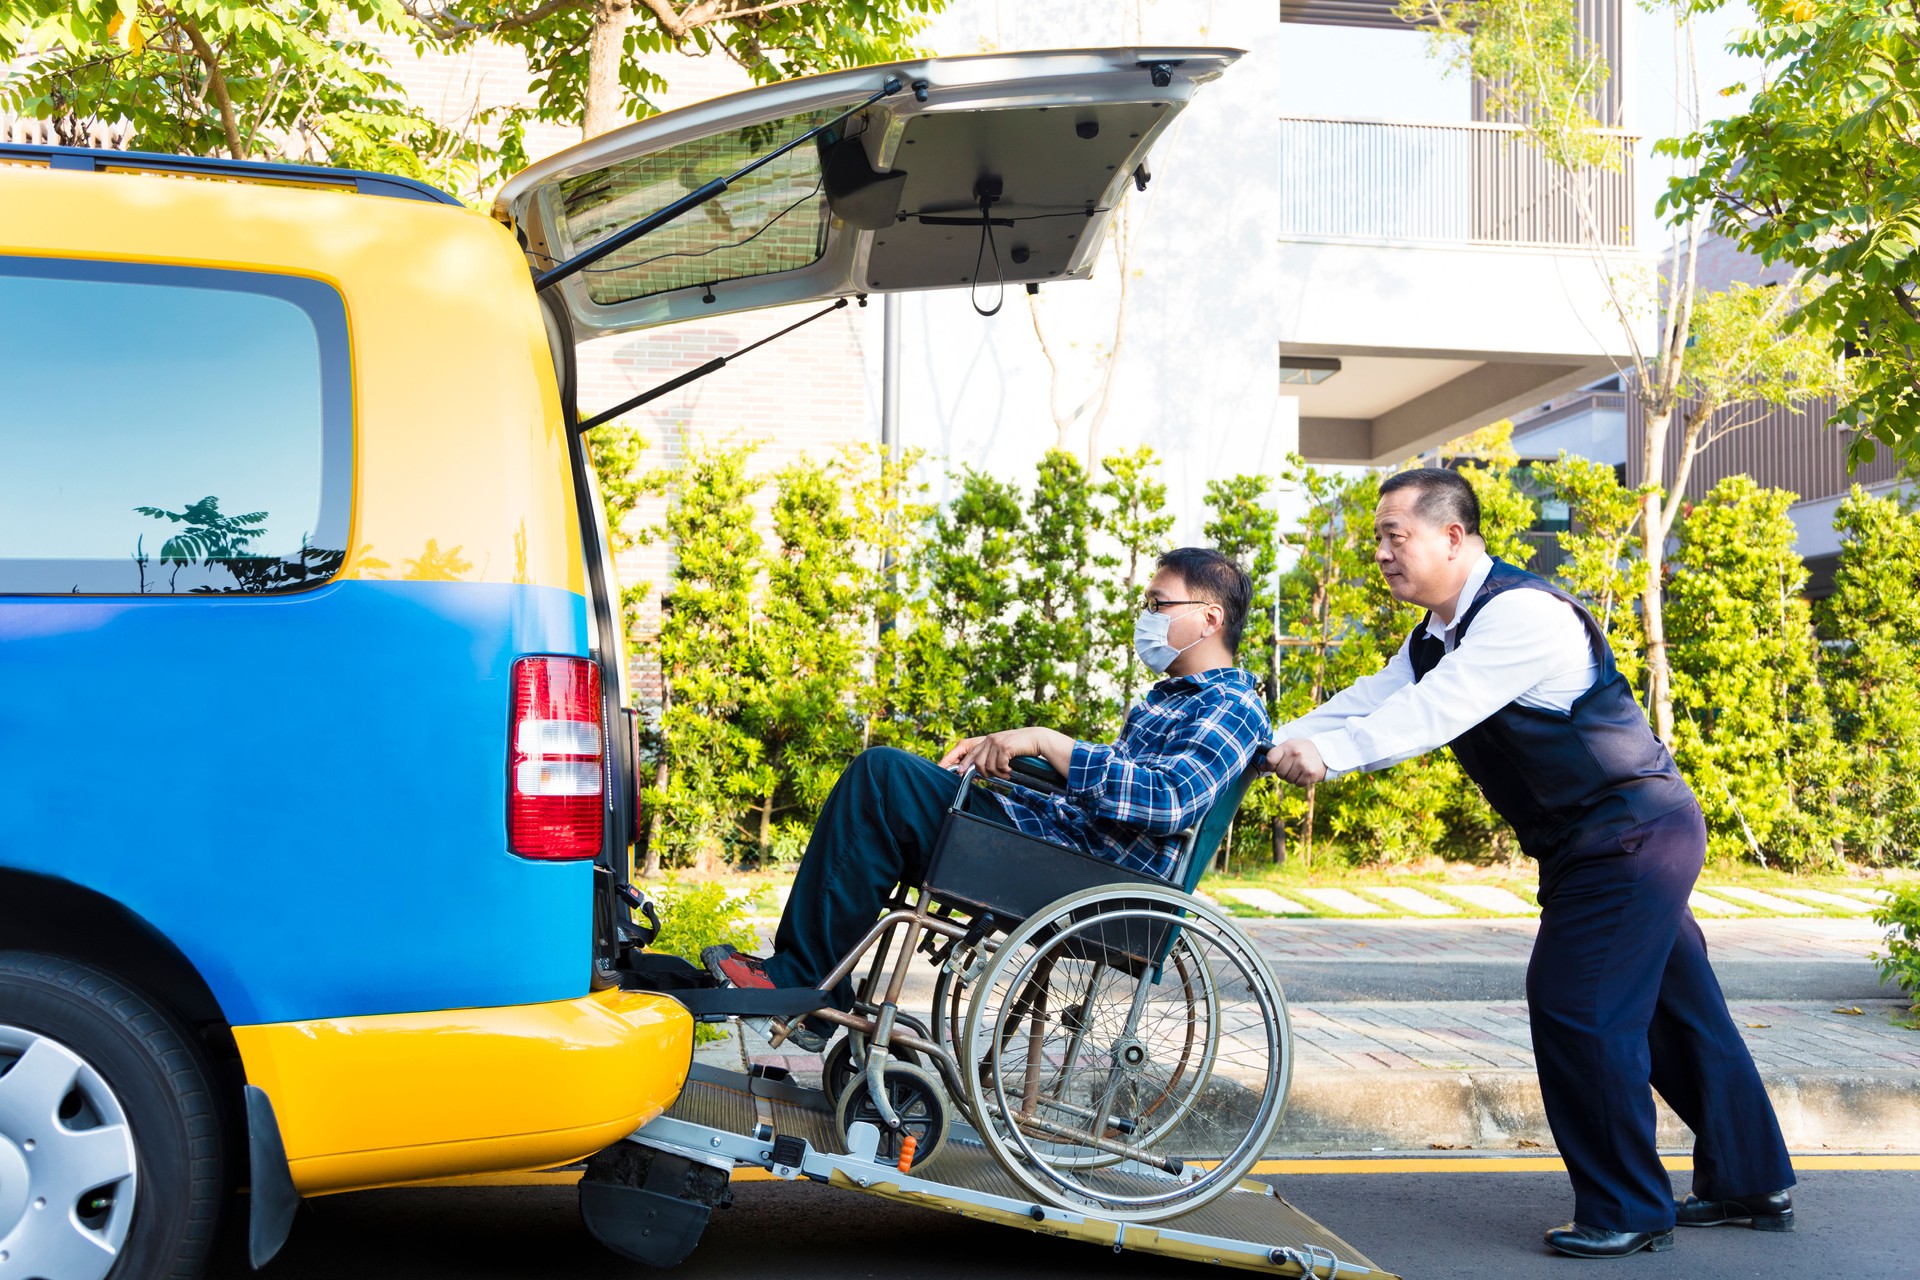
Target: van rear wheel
pixel 111 1160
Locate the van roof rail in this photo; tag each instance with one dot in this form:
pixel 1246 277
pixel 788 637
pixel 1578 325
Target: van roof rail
pixel 206 167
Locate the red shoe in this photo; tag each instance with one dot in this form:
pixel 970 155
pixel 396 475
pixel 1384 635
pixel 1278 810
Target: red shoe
pixel 731 967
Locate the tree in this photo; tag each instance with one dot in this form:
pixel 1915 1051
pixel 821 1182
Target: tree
pixel 1136 522
pixel 1717 354
pixel 597 62
pixel 1754 735
pixel 952 665
pixel 707 660
pixel 1817 173
pixel 1244 526
pixel 1602 565
pixel 1054 637
pixel 807 642
pixel 1872 626
pixel 285 79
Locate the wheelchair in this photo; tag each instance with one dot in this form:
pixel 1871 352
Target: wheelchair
pixel 1117 1044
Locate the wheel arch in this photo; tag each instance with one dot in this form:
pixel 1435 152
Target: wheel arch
pixel 47 914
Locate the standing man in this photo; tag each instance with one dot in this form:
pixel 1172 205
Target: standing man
pixel 1519 680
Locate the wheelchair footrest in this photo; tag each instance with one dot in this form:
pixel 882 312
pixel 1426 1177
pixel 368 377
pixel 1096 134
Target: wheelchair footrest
pixel 704 999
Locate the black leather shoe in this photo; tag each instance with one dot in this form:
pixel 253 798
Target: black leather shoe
pixel 1762 1213
pixel 1597 1242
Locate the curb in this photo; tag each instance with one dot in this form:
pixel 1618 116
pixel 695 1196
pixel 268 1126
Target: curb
pixel 1501 1110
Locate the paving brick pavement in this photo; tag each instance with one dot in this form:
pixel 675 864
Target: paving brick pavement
pixel 1461 1073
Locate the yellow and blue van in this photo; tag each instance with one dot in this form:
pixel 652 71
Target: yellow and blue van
pixel 316 769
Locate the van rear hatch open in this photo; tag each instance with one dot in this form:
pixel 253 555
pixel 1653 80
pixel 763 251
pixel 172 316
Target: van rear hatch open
pixel 985 171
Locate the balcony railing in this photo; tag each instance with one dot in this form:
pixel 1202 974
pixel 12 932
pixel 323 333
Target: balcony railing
pixel 1469 183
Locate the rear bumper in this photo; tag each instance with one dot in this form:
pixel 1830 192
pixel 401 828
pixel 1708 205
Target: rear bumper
pixel 393 1098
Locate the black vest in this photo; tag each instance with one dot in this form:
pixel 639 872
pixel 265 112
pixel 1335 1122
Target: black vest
pixel 1566 781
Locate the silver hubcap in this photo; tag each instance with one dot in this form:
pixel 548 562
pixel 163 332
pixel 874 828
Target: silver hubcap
pixel 66 1163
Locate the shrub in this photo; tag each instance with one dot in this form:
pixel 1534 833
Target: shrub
pixel 694 917
pixel 1900 915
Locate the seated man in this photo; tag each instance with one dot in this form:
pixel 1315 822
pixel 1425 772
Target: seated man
pixel 1126 802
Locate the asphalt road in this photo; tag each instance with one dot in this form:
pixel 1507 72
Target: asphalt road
pixel 1424 1226
pixel 1329 981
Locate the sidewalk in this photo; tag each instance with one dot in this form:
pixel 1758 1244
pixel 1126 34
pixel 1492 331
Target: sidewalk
pixel 1459 1074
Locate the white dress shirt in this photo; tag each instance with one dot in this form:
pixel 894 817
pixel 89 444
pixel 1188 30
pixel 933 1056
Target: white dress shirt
pixel 1525 646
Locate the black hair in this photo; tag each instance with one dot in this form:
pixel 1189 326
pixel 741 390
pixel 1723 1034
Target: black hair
pixel 1212 576
pixel 1445 496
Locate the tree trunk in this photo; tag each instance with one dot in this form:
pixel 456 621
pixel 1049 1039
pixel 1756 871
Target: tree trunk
pixel 606 47
pixel 1653 544
pixel 766 831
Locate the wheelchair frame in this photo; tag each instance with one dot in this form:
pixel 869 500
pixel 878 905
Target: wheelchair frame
pixel 963 936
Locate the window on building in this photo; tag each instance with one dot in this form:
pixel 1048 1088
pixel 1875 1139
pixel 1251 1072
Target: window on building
pixel 170 430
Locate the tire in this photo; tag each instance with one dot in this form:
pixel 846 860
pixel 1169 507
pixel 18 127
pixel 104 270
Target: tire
pixel 916 1097
pixel 79 1044
pixel 839 1065
pixel 1079 1046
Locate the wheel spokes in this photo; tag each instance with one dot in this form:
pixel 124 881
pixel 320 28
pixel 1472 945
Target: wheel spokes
pixel 33 1088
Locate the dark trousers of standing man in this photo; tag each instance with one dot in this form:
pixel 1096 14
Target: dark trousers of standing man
pixel 876 830
pixel 1621 996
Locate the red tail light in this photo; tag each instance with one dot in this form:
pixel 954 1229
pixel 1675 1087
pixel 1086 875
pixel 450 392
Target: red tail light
pixel 555 782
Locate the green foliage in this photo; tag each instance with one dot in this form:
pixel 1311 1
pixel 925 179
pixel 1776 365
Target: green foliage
pixel 694 917
pixel 1818 173
pixel 1055 639
pixel 848 611
pixel 807 647
pixel 1753 732
pixel 770 41
pixel 285 79
pixel 1536 68
pixel 615 450
pixel 1602 569
pixel 715 766
pixel 1245 525
pixel 1900 917
pixel 1137 524
pixel 1872 626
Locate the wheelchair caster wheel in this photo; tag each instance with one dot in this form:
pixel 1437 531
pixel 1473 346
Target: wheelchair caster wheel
pixel 916 1097
pixel 842 1063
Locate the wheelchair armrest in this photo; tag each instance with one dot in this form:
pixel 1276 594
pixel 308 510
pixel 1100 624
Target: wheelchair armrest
pixel 1034 771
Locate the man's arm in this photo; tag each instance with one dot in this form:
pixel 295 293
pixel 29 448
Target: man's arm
pixel 993 753
pixel 1168 793
pixel 1363 697
pixel 1520 639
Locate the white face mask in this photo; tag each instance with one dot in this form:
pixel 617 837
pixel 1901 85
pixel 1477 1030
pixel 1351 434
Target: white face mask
pixel 1150 640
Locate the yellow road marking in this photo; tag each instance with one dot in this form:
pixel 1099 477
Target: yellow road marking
pixel 1305 1164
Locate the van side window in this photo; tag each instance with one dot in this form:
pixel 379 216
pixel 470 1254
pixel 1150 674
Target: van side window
pixel 170 430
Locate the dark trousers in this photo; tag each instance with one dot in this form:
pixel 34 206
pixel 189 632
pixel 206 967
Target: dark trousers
pixel 1622 997
pixel 876 831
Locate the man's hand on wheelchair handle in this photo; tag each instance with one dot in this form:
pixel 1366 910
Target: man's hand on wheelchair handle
pixel 1298 761
pixel 993 753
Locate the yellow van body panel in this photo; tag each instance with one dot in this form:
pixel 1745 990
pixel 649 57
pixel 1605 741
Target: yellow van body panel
pixel 460 454
pixel 397 1098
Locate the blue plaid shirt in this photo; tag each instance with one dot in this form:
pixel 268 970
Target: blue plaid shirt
pixel 1181 745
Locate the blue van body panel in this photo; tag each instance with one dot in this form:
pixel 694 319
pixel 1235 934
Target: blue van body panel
pixel 305 793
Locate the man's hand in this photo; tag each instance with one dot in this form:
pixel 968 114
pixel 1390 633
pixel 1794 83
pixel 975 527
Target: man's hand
pixel 1298 761
pixel 993 754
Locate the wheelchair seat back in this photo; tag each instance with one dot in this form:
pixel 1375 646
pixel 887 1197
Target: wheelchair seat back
pixel 983 866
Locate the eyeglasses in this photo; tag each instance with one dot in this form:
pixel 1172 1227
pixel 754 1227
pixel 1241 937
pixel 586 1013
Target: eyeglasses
pixel 1150 605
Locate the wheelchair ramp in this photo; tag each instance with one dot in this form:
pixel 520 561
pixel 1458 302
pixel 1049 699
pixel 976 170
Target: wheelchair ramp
pixel 766 1123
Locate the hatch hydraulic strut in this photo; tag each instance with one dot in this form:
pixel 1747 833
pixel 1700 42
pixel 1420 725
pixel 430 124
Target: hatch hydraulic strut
pixel 699 196
pixel 712 366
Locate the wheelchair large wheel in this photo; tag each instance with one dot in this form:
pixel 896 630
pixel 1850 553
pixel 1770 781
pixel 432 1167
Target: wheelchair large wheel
pixel 1127 1053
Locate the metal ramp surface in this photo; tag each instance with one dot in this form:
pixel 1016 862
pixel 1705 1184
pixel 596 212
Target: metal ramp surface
pixel 767 1123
